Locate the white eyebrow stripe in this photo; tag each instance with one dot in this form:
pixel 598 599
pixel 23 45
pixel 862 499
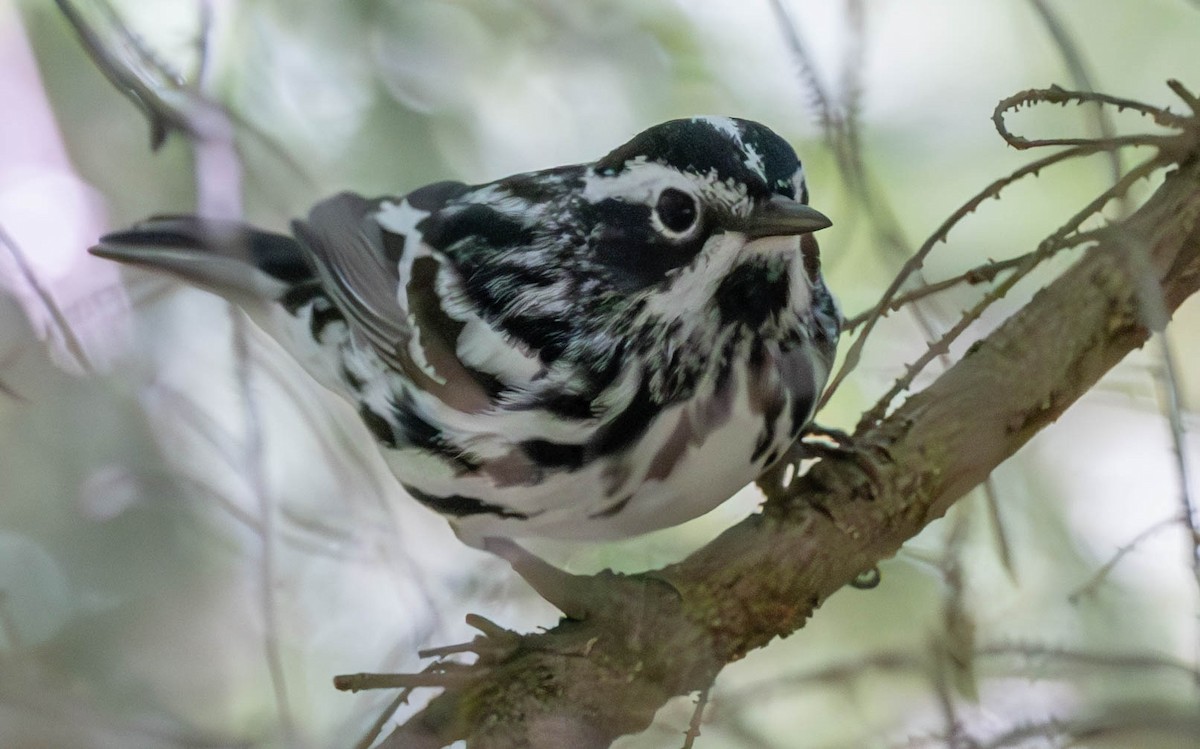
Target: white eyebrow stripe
pixel 640 181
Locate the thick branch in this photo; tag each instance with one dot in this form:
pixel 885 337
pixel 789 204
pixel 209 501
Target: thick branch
pixel 669 632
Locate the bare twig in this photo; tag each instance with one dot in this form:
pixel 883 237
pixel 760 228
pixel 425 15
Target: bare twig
pixel 1175 408
pixel 693 730
pixel 8 625
pixel 66 332
pixel 160 92
pixel 1043 655
pixel 1167 145
pixel 954 736
pixel 1059 95
pixel 1093 583
pixel 820 97
pixel 977 275
pixel 427 678
pixel 252 468
pixel 1073 58
pixel 954 650
pixel 381 721
pixel 917 260
pixel 5 362
pixel 1047 248
pixel 996 522
pixel 1130 725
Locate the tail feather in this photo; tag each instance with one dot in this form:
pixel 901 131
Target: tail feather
pixel 236 261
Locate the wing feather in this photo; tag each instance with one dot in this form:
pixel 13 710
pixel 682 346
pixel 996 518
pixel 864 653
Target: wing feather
pixel 348 249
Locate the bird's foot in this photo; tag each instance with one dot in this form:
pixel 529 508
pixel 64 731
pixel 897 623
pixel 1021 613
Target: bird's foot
pixel 835 444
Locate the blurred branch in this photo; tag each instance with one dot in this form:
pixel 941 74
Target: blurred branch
pixel 1174 408
pixel 840 125
pixel 1077 68
pixel 169 104
pixel 635 641
pixel 693 729
pixel 1171 149
pixel 70 340
pixel 1120 725
pixel 137 73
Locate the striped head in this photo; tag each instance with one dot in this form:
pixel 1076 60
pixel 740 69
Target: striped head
pixel 693 231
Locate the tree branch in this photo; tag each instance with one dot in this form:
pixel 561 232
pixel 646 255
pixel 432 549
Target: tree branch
pixel 669 632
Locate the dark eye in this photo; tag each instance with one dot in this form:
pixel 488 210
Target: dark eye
pixel 676 210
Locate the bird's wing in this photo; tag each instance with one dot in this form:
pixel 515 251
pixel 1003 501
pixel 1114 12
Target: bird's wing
pixel 366 272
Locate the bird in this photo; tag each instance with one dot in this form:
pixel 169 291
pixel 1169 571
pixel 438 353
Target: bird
pixel 586 352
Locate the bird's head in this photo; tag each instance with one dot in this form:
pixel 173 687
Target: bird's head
pixel 692 229
pixel 694 196
pixel 701 227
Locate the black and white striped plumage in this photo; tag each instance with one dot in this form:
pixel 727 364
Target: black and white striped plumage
pixel 592 351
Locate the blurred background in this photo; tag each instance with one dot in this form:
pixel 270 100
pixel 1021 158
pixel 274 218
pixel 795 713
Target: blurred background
pixel 194 538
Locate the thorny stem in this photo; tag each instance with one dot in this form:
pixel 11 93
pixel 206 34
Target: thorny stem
pixel 1047 248
pixel 914 263
pixel 977 275
pixel 1059 95
pixel 842 134
pixel 1093 583
pixel 1168 146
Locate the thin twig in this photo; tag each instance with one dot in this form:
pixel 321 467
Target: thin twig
pixel 1048 247
pixel 977 275
pixel 914 263
pixel 204 43
pixel 1175 408
pixel 1003 545
pixel 253 469
pixel 1059 95
pixel 70 341
pixel 954 665
pixel 159 91
pixel 1093 583
pixel 382 720
pixel 423 680
pixel 1078 69
pixel 5 362
pixel 842 136
pixel 8 390
pixel 1045 654
pixel 820 97
pixel 945 699
pixel 693 730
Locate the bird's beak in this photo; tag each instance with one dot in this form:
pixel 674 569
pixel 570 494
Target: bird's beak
pixel 781 217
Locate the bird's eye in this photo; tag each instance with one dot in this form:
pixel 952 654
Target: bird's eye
pixel 676 210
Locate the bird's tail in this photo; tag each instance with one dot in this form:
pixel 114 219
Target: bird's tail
pixel 243 264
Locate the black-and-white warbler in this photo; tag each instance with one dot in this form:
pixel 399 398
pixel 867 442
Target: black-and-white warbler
pixel 591 351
